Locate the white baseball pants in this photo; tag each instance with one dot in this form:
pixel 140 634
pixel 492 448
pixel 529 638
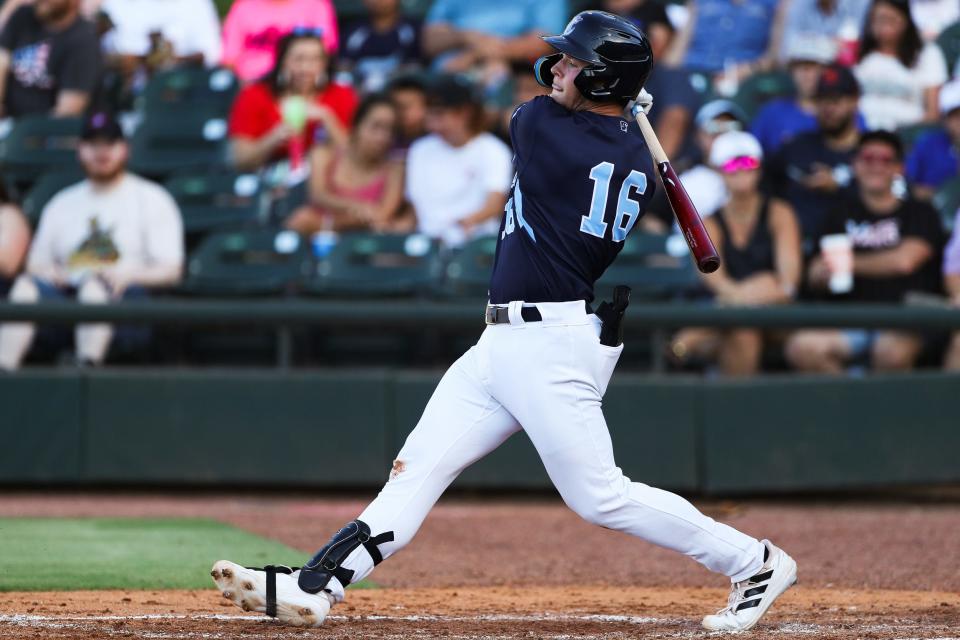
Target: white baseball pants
pixel 547 378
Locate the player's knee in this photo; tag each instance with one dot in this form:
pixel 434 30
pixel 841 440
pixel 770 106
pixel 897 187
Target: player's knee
pixel 25 290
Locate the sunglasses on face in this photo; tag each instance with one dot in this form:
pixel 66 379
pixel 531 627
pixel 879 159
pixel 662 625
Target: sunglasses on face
pixel 885 159
pixel 740 163
pixel 315 32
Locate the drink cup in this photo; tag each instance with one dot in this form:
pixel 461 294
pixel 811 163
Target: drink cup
pixel 837 251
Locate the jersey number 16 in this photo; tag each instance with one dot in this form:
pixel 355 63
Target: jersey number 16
pixel 628 209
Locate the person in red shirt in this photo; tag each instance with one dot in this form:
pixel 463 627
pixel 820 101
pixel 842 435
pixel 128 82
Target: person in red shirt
pixel 280 117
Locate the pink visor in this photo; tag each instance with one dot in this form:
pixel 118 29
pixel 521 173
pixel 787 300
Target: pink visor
pixel 740 163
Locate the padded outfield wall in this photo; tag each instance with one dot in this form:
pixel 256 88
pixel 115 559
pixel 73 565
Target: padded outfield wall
pixel 340 428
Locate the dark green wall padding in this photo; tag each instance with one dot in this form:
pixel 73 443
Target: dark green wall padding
pixel 341 428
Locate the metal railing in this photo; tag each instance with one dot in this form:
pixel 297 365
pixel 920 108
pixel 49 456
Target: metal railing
pixel 284 315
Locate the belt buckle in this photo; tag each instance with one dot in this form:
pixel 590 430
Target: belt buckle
pixel 490 317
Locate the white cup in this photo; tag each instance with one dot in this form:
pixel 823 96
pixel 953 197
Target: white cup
pixel 837 251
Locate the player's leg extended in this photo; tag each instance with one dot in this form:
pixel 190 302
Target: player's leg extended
pixel 460 424
pixel 558 401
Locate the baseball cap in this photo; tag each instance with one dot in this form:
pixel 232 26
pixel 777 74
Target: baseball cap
pixel 102 126
pixel 837 81
pixel 716 108
pixel 950 96
pixel 733 145
pixel 811 48
pixel 451 91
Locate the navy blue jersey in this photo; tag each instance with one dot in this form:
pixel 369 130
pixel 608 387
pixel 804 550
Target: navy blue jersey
pixel 581 182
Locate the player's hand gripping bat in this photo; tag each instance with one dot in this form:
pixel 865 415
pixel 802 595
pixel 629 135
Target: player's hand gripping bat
pixel 704 253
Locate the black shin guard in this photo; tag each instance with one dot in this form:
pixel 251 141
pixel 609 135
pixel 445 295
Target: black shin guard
pixel 326 564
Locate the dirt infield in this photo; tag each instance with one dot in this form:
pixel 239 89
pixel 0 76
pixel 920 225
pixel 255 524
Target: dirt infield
pixel 531 569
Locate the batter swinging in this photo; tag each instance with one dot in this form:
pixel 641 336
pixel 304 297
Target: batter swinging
pixel 583 179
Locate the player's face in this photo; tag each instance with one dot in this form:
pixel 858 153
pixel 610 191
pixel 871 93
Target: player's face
pixel 374 135
pixel 875 167
pixel 304 66
pixel 103 160
pixel 565 71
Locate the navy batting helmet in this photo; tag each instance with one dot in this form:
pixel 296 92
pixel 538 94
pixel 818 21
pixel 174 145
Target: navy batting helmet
pixel 619 56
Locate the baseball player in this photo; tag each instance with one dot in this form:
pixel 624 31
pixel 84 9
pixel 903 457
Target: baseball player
pixel 583 177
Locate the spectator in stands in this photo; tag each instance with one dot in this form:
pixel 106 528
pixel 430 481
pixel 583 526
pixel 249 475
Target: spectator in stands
pixel 14 240
pixel 357 186
pixel 253 29
pixel 112 236
pixel 464 34
pixel 675 101
pixel 458 175
pixel 525 88
pixel 951 281
pixel 409 94
pixel 724 38
pixel 933 16
pixel 811 170
pixel 759 243
pixel 380 46
pixel 649 15
pixel 281 116
pixel 899 74
pixel 840 21
pixel 934 158
pixel 897 245
pixel 783 118
pixel 49 60
pixel 163 33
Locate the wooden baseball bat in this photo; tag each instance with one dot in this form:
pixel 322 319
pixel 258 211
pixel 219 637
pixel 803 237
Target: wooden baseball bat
pixel 704 253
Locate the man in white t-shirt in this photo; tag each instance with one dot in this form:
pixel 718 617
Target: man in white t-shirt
pixel 184 30
pixel 458 176
pixel 109 237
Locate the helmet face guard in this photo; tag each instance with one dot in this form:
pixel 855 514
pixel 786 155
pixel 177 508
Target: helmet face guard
pixel 618 57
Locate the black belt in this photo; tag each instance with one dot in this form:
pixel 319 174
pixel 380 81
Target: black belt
pixel 501 315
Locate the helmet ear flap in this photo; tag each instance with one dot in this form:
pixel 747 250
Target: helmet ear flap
pixel 542 69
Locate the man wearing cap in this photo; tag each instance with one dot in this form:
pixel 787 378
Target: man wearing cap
pixel 783 118
pixel 111 236
pixel 934 159
pixel 812 169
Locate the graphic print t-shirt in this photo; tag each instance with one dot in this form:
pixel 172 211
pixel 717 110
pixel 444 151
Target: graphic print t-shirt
pixel 871 233
pixel 581 182
pixel 43 63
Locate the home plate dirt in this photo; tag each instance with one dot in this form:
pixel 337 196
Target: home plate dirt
pixel 599 612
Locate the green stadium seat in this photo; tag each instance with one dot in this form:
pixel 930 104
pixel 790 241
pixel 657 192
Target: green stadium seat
pixel 947 201
pixel 762 87
pixel 654 266
pixel 367 264
pixel 209 201
pixel 190 90
pixel 43 190
pixel 468 270
pixel 253 262
pixel 164 144
pixel 949 43
pixel 37 144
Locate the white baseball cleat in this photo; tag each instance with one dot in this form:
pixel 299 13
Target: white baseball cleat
pixel 750 598
pixel 273 591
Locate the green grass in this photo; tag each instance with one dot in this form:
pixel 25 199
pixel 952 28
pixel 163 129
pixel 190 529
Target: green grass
pixel 53 554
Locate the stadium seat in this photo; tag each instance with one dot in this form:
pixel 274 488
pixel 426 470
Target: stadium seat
pixel 654 266
pixel 367 264
pixel 36 144
pixel 762 87
pixel 43 190
pixel 947 202
pixel 209 201
pixel 468 270
pixel 911 133
pixel 168 143
pixel 949 43
pixel 252 262
pixel 190 90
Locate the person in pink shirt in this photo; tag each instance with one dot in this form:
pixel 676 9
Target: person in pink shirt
pixel 253 28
